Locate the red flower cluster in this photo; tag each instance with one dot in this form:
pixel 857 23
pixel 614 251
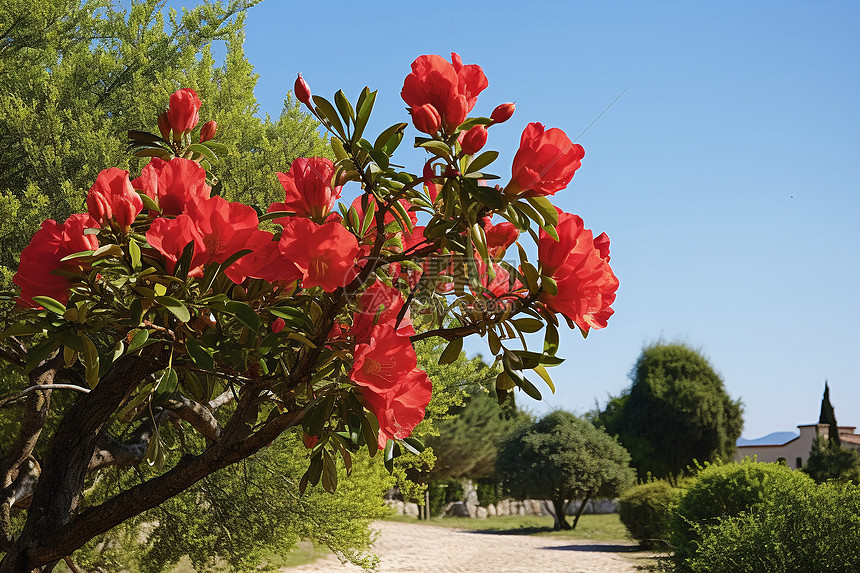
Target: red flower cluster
pixel 51 243
pixel 172 184
pixel 545 162
pixel 440 93
pixel 579 263
pixel 308 189
pixel 392 385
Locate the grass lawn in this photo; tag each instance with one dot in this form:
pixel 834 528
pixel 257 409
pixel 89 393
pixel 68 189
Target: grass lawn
pixel 606 527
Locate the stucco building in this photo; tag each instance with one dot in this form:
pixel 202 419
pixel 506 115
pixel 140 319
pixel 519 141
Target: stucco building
pixel 795 451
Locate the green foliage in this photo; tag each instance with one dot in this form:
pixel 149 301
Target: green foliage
pixel 562 457
pixel 78 75
pixel 234 519
pixel 725 491
pixel 811 529
pixel 444 491
pixel 828 460
pixel 646 512
pixel 676 412
pixel 489 491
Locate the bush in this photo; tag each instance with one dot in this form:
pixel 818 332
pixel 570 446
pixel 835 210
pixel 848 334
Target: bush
pixel 799 530
pixel 725 491
pixel 489 491
pixel 443 492
pixel 646 512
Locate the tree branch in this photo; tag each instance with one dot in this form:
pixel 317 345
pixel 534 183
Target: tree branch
pixel 25 391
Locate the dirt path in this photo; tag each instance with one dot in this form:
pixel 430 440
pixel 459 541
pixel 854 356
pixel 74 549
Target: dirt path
pixel 413 548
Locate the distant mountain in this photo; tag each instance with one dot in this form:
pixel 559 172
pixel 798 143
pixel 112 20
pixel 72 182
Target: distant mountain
pixel 774 439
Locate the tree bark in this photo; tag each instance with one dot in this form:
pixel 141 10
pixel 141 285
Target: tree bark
pixel 580 510
pixel 559 505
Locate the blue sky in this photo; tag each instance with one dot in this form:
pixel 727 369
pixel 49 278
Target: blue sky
pixel 726 176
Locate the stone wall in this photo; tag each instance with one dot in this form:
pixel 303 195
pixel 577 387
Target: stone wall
pixel 469 507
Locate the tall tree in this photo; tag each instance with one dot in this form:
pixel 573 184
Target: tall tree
pixel 676 411
pixel 563 458
pixel 828 416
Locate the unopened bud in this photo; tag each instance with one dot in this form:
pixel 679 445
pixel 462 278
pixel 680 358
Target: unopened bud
pixel 503 112
pixel 302 91
pixel 207 132
pixel 164 126
pixel 278 325
pixel 426 118
pixel 473 140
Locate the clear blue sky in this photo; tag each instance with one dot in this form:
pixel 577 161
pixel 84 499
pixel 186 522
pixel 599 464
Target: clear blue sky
pixel 726 177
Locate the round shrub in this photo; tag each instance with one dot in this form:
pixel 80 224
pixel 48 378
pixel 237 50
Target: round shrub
pixel 443 492
pixel 646 511
pixel 804 530
pixel 721 491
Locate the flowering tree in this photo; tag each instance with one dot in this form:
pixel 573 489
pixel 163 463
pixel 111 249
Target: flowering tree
pixel 164 305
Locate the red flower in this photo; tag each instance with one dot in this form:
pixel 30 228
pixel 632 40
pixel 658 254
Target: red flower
pixel 503 112
pixel 426 118
pixel 579 263
pixel 396 391
pixel 164 126
pixel 500 237
pixel 113 197
pixel 171 236
pixel 173 183
pixel 324 254
pixel 472 141
pixel 379 305
pixel 183 110
pixel 402 408
pixel 545 162
pixel 278 325
pixel 51 243
pixel 302 91
pixel 451 88
pixel 265 261
pixel 308 189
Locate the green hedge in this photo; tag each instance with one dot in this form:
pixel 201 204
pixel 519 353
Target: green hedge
pixel 646 512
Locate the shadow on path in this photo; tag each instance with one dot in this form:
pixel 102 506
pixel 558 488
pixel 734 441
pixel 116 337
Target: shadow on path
pixel 517 531
pixel 596 548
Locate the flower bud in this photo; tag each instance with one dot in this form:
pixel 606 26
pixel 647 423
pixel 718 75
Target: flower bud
pixel 473 140
pixel 99 207
pixel 164 126
pixel 426 118
pixel 302 91
pixel 278 325
pixel 207 132
pixel 183 113
pixel 503 112
pixel 124 213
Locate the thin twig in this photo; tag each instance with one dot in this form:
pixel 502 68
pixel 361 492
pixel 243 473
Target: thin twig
pixel 24 392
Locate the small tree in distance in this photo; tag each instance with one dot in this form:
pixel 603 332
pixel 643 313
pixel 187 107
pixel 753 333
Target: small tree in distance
pixel 563 458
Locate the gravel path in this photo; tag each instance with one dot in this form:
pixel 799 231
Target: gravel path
pixel 413 548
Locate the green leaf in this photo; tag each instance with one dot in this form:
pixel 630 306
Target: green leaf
pixel 489 196
pixel 183 265
pixel 204 151
pixel 439 148
pixel 167 384
pixel 138 340
pixel 91 358
pixel 545 208
pixel 244 314
pixel 343 106
pixel 134 253
pixel 541 371
pixel 549 285
pixel 21 328
pixel 178 308
pixel 325 109
pixel 451 352
pixel 154 452
pixel 202 357
pixel 337 146
pixel 550 341
pixel 295 316
pixel 482 160
pixel 527 324
pixel 329 474
pixel 384 137
pixel 50 304
pixel 414 445
pixel 148 202
pixel 365 106
pixel 36 355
